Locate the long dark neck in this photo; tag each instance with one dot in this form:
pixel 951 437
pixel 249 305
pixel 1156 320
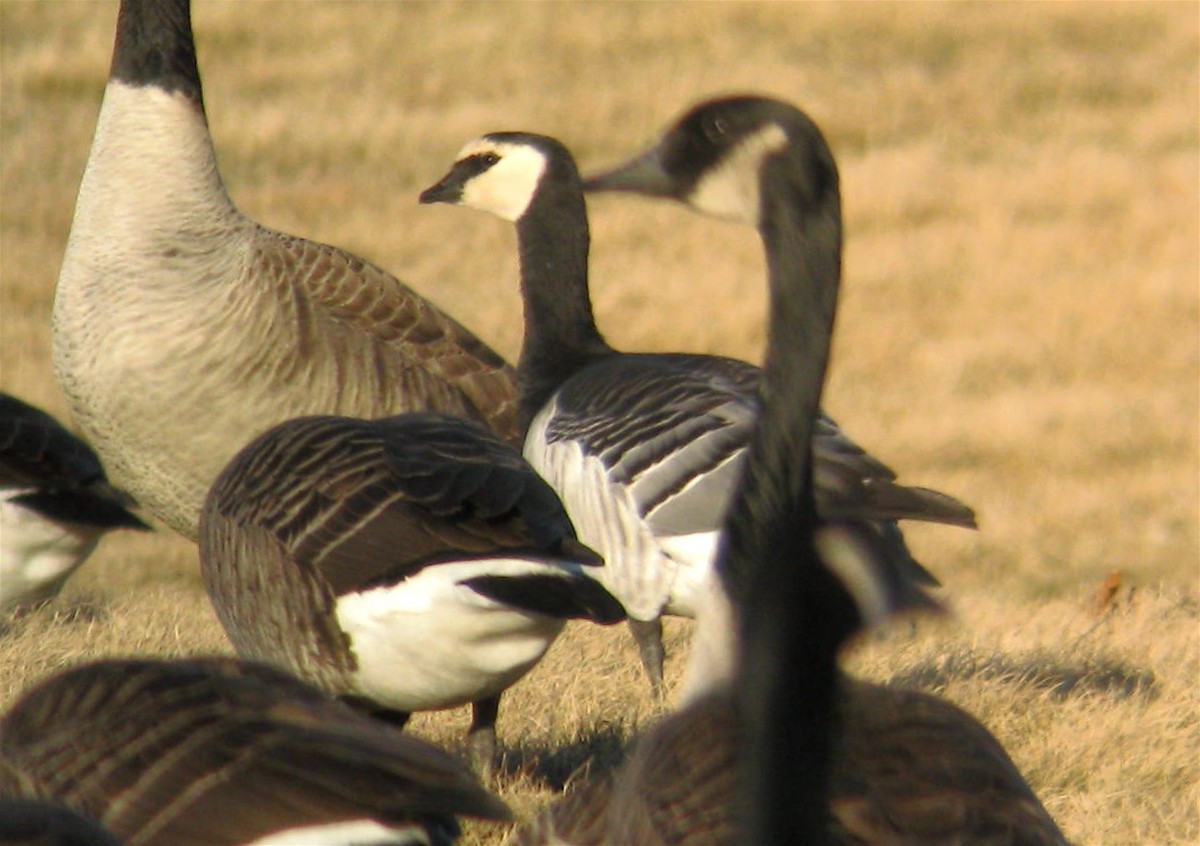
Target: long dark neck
pixel 154 46
pixel 560 332
pixel 789 644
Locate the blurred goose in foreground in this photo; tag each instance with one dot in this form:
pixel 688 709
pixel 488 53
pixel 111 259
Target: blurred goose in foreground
pixel 217 752
pixel 55 504
pixel 644 449
pixel 26 822
pixel 783 749
pixel 182 328
pixel 408 564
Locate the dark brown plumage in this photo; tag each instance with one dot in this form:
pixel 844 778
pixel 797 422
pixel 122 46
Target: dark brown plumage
pixel 378 558
pixel 216 751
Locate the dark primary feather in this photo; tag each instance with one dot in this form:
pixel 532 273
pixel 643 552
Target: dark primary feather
pixel 35 449
pixel 220 751
pixel 567 596
pixel 68 482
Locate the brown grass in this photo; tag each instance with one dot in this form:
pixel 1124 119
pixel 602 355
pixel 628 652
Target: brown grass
pixel 1019 324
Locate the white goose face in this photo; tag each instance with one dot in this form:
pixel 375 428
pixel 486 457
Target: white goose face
pixel 501 177
pixel 731 188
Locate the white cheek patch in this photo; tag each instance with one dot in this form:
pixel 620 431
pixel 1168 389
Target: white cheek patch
pixel 506 188
pixel 731 190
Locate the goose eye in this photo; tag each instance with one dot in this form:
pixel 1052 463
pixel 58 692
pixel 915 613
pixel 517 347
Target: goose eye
pixel 479 162
pixel 716 129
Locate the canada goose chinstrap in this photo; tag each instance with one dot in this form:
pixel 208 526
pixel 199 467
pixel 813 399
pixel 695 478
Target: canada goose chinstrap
pixel 786 750
pixel 409 563
pixel 55 504
pixel 182 328
pixel 219 752
pixel 644 449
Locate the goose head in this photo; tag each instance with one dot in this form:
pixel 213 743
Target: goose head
pixel 721 155
pixel 503 172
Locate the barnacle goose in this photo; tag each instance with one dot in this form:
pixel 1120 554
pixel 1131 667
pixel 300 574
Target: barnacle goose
pixel 644 449
pixel 787 750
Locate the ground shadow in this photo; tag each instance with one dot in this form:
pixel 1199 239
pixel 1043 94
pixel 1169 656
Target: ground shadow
pixel 1060 678
pixel 599 748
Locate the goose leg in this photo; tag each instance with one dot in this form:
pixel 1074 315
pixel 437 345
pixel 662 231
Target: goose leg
pixel 481 736
pixel 648 634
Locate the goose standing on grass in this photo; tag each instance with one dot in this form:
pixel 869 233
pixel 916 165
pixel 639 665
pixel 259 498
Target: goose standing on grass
pixel 644 449
pixel 182 328
pixel 408 564
pixel 219 752
pixel 55 504
pixel 784 749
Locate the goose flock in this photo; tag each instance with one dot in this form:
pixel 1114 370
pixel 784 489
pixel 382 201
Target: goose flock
pixel 391 518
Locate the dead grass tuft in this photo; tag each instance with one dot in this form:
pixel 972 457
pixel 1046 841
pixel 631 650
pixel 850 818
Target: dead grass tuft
pixel 1020 322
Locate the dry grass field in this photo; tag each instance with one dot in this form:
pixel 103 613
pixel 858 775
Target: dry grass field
pixel 1019 323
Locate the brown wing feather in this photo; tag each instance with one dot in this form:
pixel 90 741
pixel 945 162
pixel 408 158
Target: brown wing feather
pixel 219 751
pixel 443 365
pixel 909 769
pixel 915 769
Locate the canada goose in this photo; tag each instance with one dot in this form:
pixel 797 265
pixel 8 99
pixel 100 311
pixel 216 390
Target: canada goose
pixel 217 751
pixel 55 504
pixel 788 751
pixel 410 563
pixel 182 328
pixel 644 449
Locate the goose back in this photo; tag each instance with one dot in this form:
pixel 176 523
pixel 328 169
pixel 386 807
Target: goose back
pixel 217 752
pixel 343 548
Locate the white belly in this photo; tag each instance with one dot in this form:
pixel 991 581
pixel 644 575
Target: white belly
pixel 346 834
pixel 429 643
pixel 37 555
pixel 694 554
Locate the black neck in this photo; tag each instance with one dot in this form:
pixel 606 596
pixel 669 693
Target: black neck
pixel 154 46
pixel 789 641
pixel 560 332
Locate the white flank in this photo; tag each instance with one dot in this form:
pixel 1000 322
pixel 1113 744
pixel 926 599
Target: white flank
pixel 429 642
pixel 346 833
pixel 694 554
pixel 37 555
pixel 606 518
pixel 506 188
pixel 712 660
pixel 731 190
